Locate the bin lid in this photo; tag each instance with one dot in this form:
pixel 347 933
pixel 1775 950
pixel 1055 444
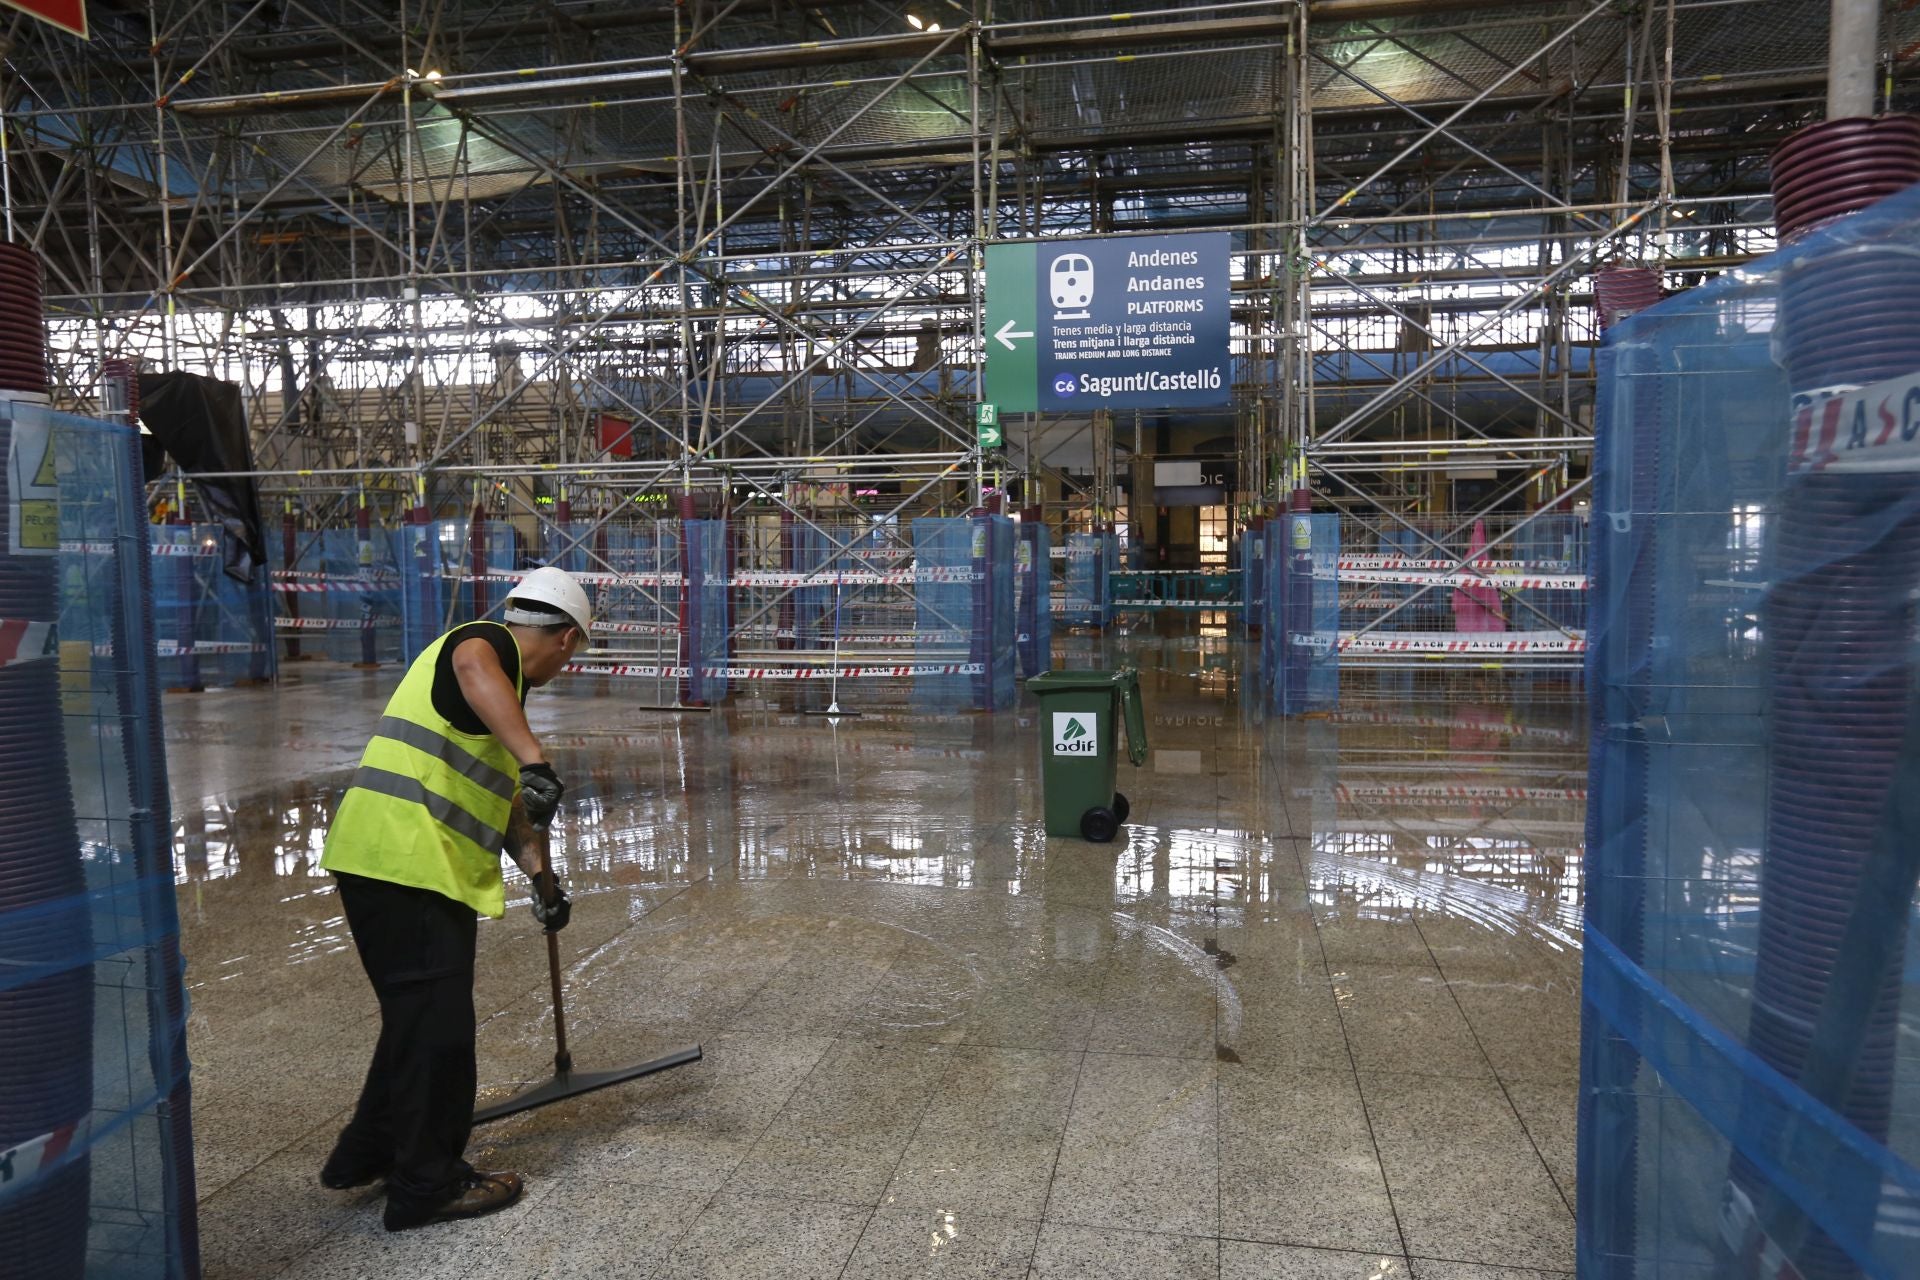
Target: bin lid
pixel 1080 681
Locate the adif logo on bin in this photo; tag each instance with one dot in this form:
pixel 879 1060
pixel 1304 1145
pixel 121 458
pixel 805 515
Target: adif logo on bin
pixel 1074 733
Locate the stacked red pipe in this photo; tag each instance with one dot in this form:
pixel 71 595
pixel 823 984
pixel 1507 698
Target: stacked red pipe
pixel 1839 167
pixel 23 330
pixel 1839 617
pixel 126 375
pixel 1619 292
pixel 46 1023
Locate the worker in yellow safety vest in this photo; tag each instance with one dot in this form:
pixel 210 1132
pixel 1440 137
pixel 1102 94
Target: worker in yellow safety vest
pixel 452 776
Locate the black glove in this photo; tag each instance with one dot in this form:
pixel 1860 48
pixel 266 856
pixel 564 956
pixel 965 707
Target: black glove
pixel 555 914
pixel 540 792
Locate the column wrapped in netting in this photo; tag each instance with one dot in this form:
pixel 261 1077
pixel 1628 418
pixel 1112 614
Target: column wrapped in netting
pixel 1033 596
pixel 994 623
pixel 1751 1025
pixel 1250 557
pixel 96 1159
pixel 424 587
pixel 1087 568
pixel 963 584
pixel 704 624
pixel 1300 640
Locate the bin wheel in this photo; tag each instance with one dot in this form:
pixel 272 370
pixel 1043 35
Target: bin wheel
pixel 1120 807
pixel 1099 825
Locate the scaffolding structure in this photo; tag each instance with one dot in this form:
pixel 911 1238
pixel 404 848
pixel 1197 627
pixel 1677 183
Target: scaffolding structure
pixel 554 263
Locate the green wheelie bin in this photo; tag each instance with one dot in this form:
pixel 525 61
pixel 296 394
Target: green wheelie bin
pixel 1079 716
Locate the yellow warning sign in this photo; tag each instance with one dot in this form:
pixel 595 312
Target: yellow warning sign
pixel 33 486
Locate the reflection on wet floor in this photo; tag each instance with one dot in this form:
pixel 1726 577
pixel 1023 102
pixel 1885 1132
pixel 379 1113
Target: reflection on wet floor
pixel 1313 1014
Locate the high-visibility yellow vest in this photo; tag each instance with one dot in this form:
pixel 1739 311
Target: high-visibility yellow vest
pixel 429 804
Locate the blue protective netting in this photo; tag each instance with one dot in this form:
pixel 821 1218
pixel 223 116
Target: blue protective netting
pixel 1091 559
pixel 1033 597
pixel 1751 1034
pixel 96 1159
pixel 1250 557
pixel 213 630
pixel 340 598
pixel 704 612
pixel 1300 640
pixel 963 569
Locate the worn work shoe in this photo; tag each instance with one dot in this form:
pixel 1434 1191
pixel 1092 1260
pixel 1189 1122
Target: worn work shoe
pixel 479 1193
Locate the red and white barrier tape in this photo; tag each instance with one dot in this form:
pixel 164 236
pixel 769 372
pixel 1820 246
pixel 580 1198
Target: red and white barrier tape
pixel 1446 791
pixel 384 577
pixel 629 671
pixel 762 578
pixel 1469 578
pixel 1451 722
pixel 1488 566
pixel 1462 642
pixel 22 641
pixel 166 649
pixel 24 1161
pixel 320 624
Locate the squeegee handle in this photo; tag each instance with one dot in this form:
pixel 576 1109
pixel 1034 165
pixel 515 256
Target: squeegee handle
pixel 544 886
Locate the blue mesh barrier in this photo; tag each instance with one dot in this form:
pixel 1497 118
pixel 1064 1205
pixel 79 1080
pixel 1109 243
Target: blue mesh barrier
pixel 1300 641
pixel 1251 559
pixel 1087 569
pixel 1033 583
pixel 96 1158
pixel 963 571
pixel 994 623
pixel 943 601
pixel 213 630
pixel 423 586
pixel 1273 632
pixel 1553 544
pixel 1750 1048
pixel 340 599
pixel 705 627
pixel 816 617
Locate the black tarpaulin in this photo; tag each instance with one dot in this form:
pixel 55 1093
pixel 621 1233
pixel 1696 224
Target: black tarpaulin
pixel 201 424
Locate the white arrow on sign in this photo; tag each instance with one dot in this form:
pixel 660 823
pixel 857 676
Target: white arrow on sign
pixel 1007 333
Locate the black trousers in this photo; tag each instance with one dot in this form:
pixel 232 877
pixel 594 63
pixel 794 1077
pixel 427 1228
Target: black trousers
pixel 416 1108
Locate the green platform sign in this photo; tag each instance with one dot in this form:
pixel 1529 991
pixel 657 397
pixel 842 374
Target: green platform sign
pixel 1132 323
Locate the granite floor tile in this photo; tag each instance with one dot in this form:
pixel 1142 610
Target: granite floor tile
pixel 1528 1026
pixel 1297 1162
pixel 1141 1149
pixel 633 1231
pixel 1450 1149
pixel 260 1222
pixel 942 1244
pixel 1550 1113
pixel 989 1139
pixel 1279 1012
pixel 1432 1269
pixel 760 1237
pixel 1075 1253
pixel 1403 1018
pixel 845 1128
pixel 1246 1260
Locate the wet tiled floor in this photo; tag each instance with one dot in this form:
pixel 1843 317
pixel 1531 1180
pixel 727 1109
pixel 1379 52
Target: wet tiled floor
pixel 1315 1016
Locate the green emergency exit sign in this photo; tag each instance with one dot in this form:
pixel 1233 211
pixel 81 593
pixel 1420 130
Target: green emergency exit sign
pixel 986 424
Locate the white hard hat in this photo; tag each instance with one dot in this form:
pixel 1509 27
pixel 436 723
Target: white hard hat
pixel 549 586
